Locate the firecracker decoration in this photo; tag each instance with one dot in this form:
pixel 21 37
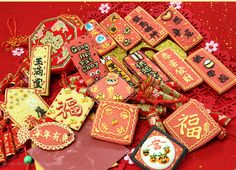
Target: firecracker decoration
pixel 9 147
pixel 40 69
pixel 23 104
pixel 48 136
pixel 70 108
pixel 156 92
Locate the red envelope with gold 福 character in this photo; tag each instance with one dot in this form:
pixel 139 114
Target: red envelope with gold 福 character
pixel 111 87
pixel 192 125
pixel 115 122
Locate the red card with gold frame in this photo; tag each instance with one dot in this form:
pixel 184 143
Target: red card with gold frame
pixel 123 34
pixel 192 125
pixel 115 122
pixel 178 70
pixel 158 150
pixel 213 72
pixel 102 42
pixel 86 59
pixel 147 27
pixel 179 28
pixel 111 87
pixel 140 65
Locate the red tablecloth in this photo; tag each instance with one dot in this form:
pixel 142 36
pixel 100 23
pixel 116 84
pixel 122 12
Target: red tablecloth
pixel 218 23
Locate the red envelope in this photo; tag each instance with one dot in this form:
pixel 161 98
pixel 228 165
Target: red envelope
pixel 147 27
pixel 213 72
pixel 85 59
pixel 192 125
pixel 178 70
pixel 84 154
pixel 123 34
pixel 142 66
pixel 102 42
pixel 179 28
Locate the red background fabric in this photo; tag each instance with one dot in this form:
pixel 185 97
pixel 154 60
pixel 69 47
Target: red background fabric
pixel 217 22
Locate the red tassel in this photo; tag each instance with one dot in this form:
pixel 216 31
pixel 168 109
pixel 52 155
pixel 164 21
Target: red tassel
pixel 5 82
pixel 14 41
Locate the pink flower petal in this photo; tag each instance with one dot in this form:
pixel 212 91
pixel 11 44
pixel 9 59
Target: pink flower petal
pixel 131 162
pixel 126 157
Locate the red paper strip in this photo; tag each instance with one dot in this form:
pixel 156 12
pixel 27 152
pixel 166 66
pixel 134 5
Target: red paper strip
pixel 147 27
pixel 179 28
pixel 143 67
pixel 212 71
pixel 178 70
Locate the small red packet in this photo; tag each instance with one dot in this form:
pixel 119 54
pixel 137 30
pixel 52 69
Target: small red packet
pixel 115 122
pixel 111 87
pixel 158 150
pixel 85 59
pixel 192 125
pixel 179 28
pixel 123 34
pixel 212 71
pixel 178 70
pixel 102 43
pixel 143 67
pixel 113 65
pixel 147 27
